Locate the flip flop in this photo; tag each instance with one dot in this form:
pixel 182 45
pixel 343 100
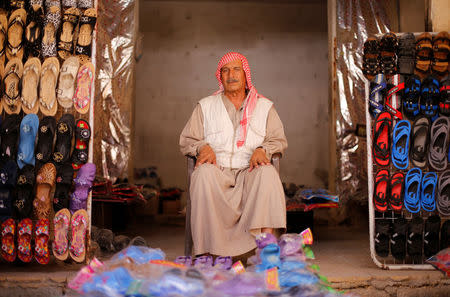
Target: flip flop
pixel 443 199
pixel 47 92
pixel 41 233
pixel 428 187
pixel 411 97
pixel 424 51
pixel 45 181
pixel 83 185
pixel 376 97
pixel 400 144
pixel 437 152
pixel 441 51
pixel 413 181
pixel 394 95
pixel 51 26
pixel 85 80
pixel 24 241
pixel 9 131
pixel 64 135
pixel 415 239
pixel 381 138
pixel 81 149
pixel 12 85
pixel 381 190
pixel 420 140
pixel 28 131
pixel 78 225
pixel 16 25
pixel 66 32
pixel 396 191
pixel 23 203
pixel 8 247
pixel 398 238
pixel 444 103
pixel 66 85
pixel 46 135
pixel 60 247
pixel 8 178
pixel 84 42
pixel 431 236
pixel 3 36
pixel 30 83
pixel 64 178
pixel 429 98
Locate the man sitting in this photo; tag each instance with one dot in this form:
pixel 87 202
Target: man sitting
pixel 235 192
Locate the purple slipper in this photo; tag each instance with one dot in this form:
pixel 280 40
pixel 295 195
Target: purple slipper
pixel 243 285
pixel 290 244
pixel 264 239
pixel 203 262
pixel 83 184
pixel 223 263
pixel 185 260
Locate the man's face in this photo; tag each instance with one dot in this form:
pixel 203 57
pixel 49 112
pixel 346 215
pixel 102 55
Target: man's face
pixel 233 76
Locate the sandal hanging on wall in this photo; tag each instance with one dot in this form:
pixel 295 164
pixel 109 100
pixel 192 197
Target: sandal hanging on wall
pixel 11 86
pixel 3 35
pixel 84 42
pixel 34 32
pixel 66 32
pixel 16 28
pixel 51 26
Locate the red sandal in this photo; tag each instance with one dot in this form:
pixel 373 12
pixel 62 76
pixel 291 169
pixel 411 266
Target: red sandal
pixel 8 247
pixel 24 241
pixel 41 253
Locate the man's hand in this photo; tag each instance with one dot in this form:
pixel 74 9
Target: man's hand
pixel 258 158
pixel 206 155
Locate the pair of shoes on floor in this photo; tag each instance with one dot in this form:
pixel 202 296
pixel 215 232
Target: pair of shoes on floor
pixel 25 234
pixel 73 227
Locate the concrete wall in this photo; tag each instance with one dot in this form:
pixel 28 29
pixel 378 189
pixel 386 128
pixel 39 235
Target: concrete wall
pixel 286 45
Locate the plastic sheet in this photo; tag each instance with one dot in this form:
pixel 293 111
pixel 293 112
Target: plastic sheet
pixel 116 39
pixel 356 20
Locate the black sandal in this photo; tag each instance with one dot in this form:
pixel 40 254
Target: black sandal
pixel 64 134
pixel 34 33
pixel 23 203
pixel 65 46
pixel 9 131
pixel 46 135
pixel 415 239
pixel 81 149
pixel 431 236
pixel 398 239
pixel 382 231
pixel 64 178
pixel 87 25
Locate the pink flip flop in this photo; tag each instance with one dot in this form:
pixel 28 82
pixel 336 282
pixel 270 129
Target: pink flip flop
pixel 85 81
pixel 60 246
pixel 79 225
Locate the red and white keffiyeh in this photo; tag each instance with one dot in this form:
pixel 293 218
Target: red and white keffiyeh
pixel 252 95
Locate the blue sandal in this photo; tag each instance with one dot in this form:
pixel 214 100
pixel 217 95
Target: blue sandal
pixel 377 89
pixel 400 144
pixel 429 182
pixel 411 97
pixel 412 190
pixel 429 97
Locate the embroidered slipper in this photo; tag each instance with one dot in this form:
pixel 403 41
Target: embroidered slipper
pixel 437 152
pixel 83 185
pixel 3 34
pixel 66 32
pixel 24 240
pixel 8 246
pixel 381 190
pixel 45 181
pixel 46 135
pixel 381 138
pixel 84 42
pixel 413 181
pixel 400 144
pixel 9 131
pixel 12 81
pixel 64 178
pixel 394 96
pixel 85 80
pixel 16 25
pixel 444 103
pixel 415 239
pixel 64 134
pixel 431 236
pixel 34 31
pixel 441 50
pixel 424 52
pixel 398 238
pixel 377 92
pixel 28 131
pixel 51 25
pixel 428 189
pixel 429 99
pixel 411 97
pixel 41 253
pixel 81 149
pixel 8 178
pixel 66 85
pixel 30 83
pixel 420 140
pixel 60 247
pixel 396 191
pixel 382 231
pixel 47 92
pixel 78 224
pixel 23 203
